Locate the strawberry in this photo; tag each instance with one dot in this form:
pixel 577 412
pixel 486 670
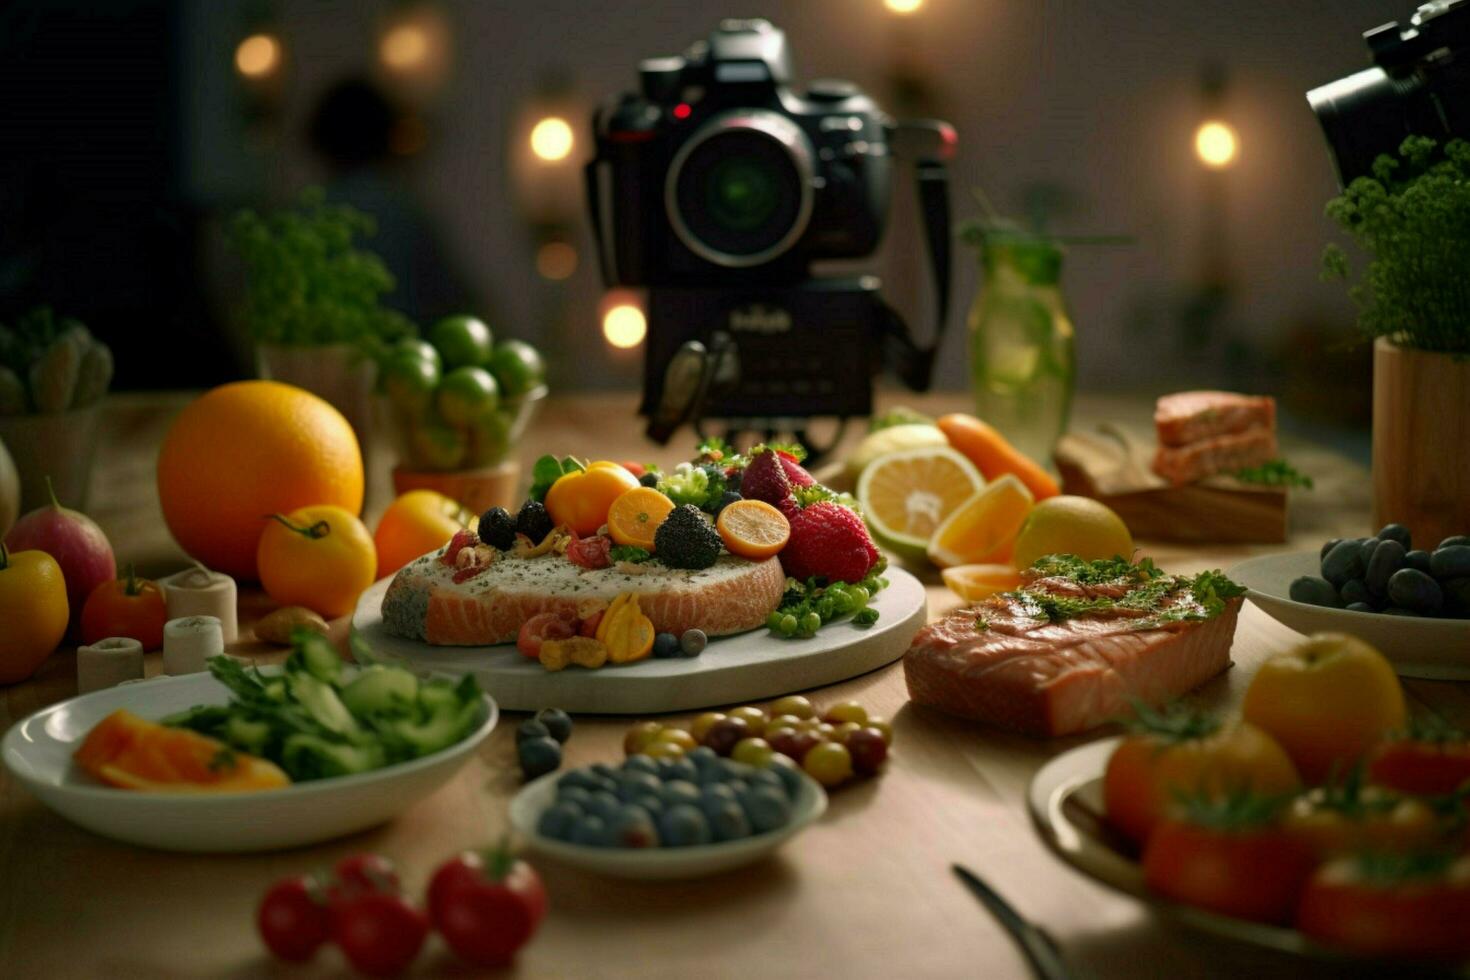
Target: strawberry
pixel 798 476
pixel 766 479
pixel 828 541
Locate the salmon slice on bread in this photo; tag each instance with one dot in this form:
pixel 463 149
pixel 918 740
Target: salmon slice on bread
pixel 1204 433
pixel 1071 651
pixel 424 602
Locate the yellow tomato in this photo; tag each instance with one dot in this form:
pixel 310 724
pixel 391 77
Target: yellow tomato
pixel 415 524
pixel 1336 821
pixel 1327 700
pixel 34 610
pixel 581 500
pixel 319 557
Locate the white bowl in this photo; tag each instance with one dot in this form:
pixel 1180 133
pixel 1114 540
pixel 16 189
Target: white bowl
pixel 660 863
pixel 1434 649
pixel 38 751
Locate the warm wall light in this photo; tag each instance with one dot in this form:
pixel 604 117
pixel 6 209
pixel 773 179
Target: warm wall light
pixel 624 326
pixel 903 6
pixel 1216 144
pixel 258 56
pixel 556 261
pixel 404 48
pixel 551 139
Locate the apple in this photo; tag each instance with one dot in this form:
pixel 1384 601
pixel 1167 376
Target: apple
pixel 75 541
pixel 1327 701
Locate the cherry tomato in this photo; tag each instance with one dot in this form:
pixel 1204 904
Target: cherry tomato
pixel 486 909
pixel 293 919
pixel 701 725
pixel 380 933
pixel 1414 906
pixel 640 736
pixel 869 750
pixel 1423 766
pixel 591 552
pixel 753 752
pixel 794 743
pixel 1251 873
pixel 846 711
pixel 542 627
pixel 829 764
pixel 1335 821
pixel 754 717
pixel 725 733
pixel 129 606
pixel 793 704
pixel 366 873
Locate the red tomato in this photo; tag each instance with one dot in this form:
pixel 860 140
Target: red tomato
pixel 486 912
pixel 1253 873
pixel 543 626
pixel 380 933
pixel 293 919
pixel 365 873
pixel 1406 907
pixel 1421 766
pixel 591 553
pixel 588 626
pixel 637 469
pixel 129 606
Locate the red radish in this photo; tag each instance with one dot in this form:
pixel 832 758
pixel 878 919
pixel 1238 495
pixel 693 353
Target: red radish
pixel 74 540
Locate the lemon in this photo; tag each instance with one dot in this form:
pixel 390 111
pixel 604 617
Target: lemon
pixel 907 495
pixel 975 582
pixel 915 435
pixel 1070 525
pixel 983 529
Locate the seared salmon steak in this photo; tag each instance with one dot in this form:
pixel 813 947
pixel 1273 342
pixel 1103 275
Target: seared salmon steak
pixel 1075 646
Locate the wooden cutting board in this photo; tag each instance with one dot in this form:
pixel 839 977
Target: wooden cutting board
pixel 1112 465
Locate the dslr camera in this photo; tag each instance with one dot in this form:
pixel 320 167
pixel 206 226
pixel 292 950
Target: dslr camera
pixel 1419 85
pixel 716 186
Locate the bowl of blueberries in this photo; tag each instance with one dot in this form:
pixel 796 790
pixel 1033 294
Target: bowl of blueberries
pixel 1412 603
pixel 666 818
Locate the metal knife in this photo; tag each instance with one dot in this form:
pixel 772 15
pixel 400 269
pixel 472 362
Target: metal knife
pixel 1039 948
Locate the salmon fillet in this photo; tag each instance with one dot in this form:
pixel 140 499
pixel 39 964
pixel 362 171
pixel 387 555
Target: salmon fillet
pixel 1217 454
pixel 1190 416
pixel 423 602
pixel 1006 662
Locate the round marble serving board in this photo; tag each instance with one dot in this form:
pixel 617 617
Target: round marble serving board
pixel 749 667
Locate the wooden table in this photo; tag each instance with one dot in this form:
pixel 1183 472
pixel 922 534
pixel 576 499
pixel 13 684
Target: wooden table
pixel 867 892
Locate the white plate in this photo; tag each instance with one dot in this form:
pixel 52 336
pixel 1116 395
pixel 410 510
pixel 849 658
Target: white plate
pixel 659 863
pixel 752 666
pixel 1434 649
pixel 38 751
pixel 1065 801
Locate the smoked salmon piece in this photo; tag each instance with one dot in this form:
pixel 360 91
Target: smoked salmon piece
pixel 1024 662
pixel 1217 454
pixel 1190 416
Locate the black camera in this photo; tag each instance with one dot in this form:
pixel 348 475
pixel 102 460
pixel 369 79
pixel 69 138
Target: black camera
pixel 1419 85
pixel 716 186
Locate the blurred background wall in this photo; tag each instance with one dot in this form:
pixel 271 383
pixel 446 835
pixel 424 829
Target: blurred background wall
pixel 130 130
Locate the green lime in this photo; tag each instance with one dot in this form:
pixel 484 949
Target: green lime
pixel 466 395
pixel 463 341
pixel 409 381
pixel 518 367
pixel 437 446
pixel 489 439
pixel 422 349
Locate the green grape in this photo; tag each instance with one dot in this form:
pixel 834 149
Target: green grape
pixel 788 624
pixel 773 621
pixel 811 622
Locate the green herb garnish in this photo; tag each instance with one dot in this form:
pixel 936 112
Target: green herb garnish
pixel 1276 473
pixel 630 553
pixel 1156 597
pixel 808 606
pixel 548 470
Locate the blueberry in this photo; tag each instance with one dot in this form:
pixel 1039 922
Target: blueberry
pixel 559 820
pixel 1417 559
pixel 604 783
pixel 767 808
pixel 681 769
pixel 1387 558
pixel 790 777
pixel 734 480
pixel 1328 546
pixel 1454 541
pixel 603 804
pixel 1451 562
pixel 539 756
pixel 737 786
pixel 684 826
pixel 701 756
pixel 1354 590
pixel 693 642
pixel 636 784
pixel 632 826
pixel 533 521
pixel 677 792
pixel 498 528
pixel 590 831
pixel 1315 591
pixel 652 804
pixel 712 797
pixel 641 763
pixel 1457 597
pixel 531 728
pixel 1395 532
pixel 648 480
pixel 1412 589
pixel 736 770
pixel 1343 562
pixel 727 820
pixel 577 779
pixel 726 499
pixel 665 646
pixel 557 722
pixel 765 777
pixel 1365 553
pixel 573 794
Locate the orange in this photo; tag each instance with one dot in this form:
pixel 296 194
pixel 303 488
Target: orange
pixel 133 753
pixel 753 529
pixel 974 582
pixel 581 500
pixel 318 557
pixel 989 450
pixel 906 495
pixel 415 524
pixel 983 529
pixel 636 514
pixel 248 449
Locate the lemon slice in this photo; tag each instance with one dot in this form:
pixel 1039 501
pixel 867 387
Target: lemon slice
pixel 982 530
pixel 975 582
pixel 907 495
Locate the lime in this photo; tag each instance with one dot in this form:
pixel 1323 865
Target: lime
pixel 409 381
pixel 517 366
pixel 466 395
pixel 911 435
pixel 906 495
pixel 1071 525
pixel 463 341
pixel 422 349
pixel 437 446
pixel 489 438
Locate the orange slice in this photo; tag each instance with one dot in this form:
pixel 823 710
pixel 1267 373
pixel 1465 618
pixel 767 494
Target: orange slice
pixel 753 529
pixel 907 495
pixel 983 529
pixel 975 582
pixel 133 753
pixel 636 514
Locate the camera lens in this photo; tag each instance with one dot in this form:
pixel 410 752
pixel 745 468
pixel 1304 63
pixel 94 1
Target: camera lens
pixel 739 192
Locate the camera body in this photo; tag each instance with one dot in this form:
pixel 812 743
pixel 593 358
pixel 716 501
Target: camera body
pixel 1419 85
pixel 716 186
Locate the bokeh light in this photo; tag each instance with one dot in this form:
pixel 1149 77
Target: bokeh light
pixel 258 56
pixel 624 326
pixel 556 261
pixel 1216 144
pixel 404 48
pixel 552 139
pixel 903 6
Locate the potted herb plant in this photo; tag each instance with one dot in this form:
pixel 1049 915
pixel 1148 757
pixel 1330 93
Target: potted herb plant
pixel 53 376
pixel 313 301
pixel 1411 218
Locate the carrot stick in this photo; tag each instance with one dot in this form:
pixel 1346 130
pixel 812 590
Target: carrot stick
pixel 993 456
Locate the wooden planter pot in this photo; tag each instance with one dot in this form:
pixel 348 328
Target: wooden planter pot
pixel 338 373
pixel 1421 442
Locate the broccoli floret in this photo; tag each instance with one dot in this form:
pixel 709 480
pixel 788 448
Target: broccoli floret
pixel 686 539
pixel 685 486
